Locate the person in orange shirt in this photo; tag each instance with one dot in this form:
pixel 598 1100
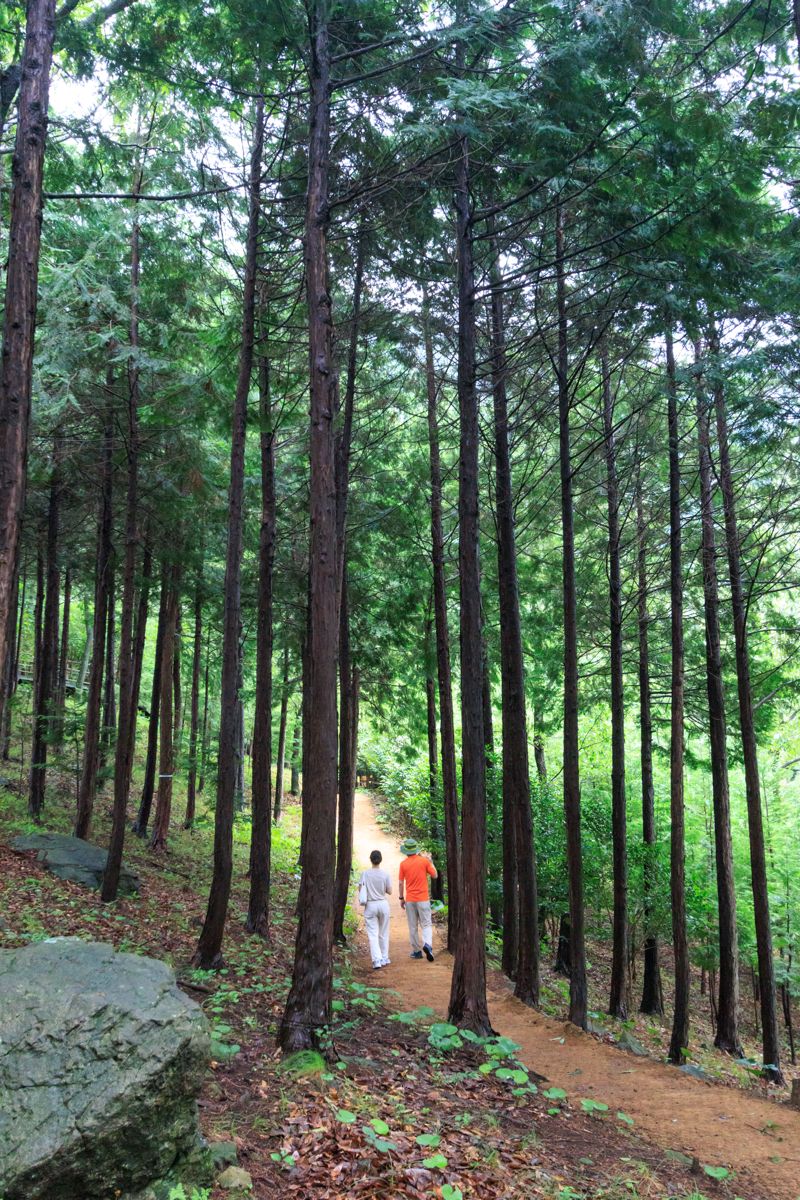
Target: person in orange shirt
pixel 414 871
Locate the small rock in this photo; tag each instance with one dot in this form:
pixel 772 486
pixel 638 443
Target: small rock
pixel 235 1177
pixel 628 1042
pixel 596 1028
pixel 697 1072
pixel 223 1154
pixel 676 1156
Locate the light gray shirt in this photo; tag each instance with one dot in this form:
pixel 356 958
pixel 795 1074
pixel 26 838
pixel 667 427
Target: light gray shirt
pixel 378 883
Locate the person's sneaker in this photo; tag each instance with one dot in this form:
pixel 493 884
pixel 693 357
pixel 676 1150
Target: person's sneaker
pixel 428 952
pixel 387 962
pixel 416 954
pixel 377 966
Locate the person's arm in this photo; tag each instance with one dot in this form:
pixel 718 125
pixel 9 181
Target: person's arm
pixel 388 883
pixel 401 885
pixel 430 868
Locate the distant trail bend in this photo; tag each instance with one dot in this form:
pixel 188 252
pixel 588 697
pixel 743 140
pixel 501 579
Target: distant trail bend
pixel 719 1125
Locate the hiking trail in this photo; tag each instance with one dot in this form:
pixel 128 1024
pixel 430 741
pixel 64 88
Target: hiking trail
pixel 721 1126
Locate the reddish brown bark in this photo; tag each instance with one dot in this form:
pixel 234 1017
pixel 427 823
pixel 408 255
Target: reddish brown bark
pixel 680 1022
pixel 520 907
pixel 308 1008
pixel 261 802
pixel 209 948
pixel 191 783
pixel 45 681
pixel 727 1021
pixel 468 1006
pixel 21 287
pixel 146 801
pixel 166 756
pixel 618 1000
pixel 443 667
pixel 572 790
pixel 282 723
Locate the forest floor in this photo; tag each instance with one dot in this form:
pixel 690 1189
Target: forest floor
pixel 397 1113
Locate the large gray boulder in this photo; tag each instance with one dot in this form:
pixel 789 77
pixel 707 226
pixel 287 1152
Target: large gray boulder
pixel 101 1059
pixel 72 858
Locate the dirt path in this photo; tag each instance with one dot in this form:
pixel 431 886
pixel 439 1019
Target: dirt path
pixel 720 1126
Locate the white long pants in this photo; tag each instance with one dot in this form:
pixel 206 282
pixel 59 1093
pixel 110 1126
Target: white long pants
pixel 418 915
pixel 376 919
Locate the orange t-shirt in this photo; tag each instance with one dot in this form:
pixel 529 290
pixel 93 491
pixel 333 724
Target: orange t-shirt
pixel 415 871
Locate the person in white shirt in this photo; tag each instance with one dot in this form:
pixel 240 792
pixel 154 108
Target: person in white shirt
pixel 373 888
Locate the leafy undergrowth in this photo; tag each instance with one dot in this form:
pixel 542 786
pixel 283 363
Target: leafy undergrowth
pixel 403 1108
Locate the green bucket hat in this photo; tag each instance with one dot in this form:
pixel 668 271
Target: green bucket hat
pixel 409 846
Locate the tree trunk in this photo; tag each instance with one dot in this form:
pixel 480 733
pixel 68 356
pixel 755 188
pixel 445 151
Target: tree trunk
pixel 177 689
pixel 680 1023
pixel 294 782
pixel 38 621
pixel 191 790
pixel 140 635
pixel 434 824
pixel 563 962
pixel 652 995
pixel 102 592
pixel 109 682
pixel 281 762
pixel 21 289
pixel 146 801
pixel 443 668
pixel 344 840
pixel 209 948
pixel 63 659
pixel 519 850
pixel 261 835
pixel 618 1001
pixel 758 863
pixel 308 1008
pixel 166 757
pixel 727 1031
pixel 204 730
pixel 126 728
pixel 88 650
pixel 8 685
pixel 572 791
pixel 45 683
pixel 468 1006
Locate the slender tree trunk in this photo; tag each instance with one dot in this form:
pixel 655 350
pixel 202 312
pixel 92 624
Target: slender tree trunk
pixel 191 790
pixel 88 650
pixel 126 728
pixel 758 863
pixel 146 801
pixel 346 789
pixel 308 1008
pixel 209 948
pixel 344 841
pixel 443 668
pixel 294 782
pixel 281 763
pixel 572 791
pixel 45 684
pixel 261 836
pixel 139 635
pixel 727 1031
pixel 9 682
pixel 204 731
pixel 63 658
pixel 177 689
pixel 21 288
pixel 523 957
pixel 680 1022
pixel 87 787
pixel 618 1001
pixel 109 683
pixel 38 621
pixel 166 757
pixel 652 995
pixel 468 1007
